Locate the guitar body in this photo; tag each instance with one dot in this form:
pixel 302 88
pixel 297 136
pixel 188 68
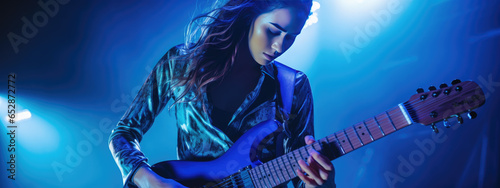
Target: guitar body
pixel 243 153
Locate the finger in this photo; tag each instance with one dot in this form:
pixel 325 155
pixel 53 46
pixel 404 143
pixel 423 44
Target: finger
pixel 323 173
pixel 322 160
pixel 309 139
pixel 313 173
pixel 305 179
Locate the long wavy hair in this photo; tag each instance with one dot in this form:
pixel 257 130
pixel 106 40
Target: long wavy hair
pixel 212 39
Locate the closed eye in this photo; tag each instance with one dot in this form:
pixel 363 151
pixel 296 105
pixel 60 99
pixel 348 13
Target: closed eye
pixel 276 33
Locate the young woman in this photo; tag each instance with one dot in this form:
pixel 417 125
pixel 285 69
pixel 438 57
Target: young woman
pixel 222 84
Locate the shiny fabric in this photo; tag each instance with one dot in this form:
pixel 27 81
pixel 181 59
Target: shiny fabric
pixel 198 139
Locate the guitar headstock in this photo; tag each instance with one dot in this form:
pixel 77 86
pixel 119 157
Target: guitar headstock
pixel 448 101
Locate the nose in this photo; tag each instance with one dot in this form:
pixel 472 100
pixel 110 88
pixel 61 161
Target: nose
pixel 278 45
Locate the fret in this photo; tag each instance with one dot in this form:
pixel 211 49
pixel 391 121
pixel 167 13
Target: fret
pixel 293 161
pixel 382 130
pixel 316 146
pixel 285 168
pixel 390 119
pixel 369 132
pixel 405 113
pixel 277 171
pixel 334 145
pixel 254 178
pixel 348 140
pixel 264 175
pixel 269 175
pixel 374 129
pixel 363 133
pixel 357 135
pixel 343 141
pixel 262 172
pixel 398 118
pixel 288 165
pixel 306 150
pixel 353 137
pixel 340 145
pixel 274 173
pixel 258 176
pixel 301 153
pixel 384 123
pixel 325 148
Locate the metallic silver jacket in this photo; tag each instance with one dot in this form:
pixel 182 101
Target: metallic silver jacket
pixel 198 139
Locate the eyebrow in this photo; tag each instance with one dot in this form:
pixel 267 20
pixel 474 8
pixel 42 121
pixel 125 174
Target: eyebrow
pixel 282 29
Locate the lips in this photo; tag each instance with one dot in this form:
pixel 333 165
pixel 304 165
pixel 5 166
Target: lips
pixel 269 57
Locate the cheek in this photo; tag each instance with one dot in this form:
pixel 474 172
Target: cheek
pixel 259 40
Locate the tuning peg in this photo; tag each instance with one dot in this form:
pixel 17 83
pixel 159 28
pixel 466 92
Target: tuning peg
pixel 458 88
pixel 420 90
pixel 460 119
pixel 456 81
pixel 446 123
pixel 472 114
pixel 443 85
pixel 432 88
pixel 433 114
pixel 447 91
pixel 434 128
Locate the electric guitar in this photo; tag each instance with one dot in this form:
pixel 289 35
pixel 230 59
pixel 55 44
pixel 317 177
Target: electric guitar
pixel 240 165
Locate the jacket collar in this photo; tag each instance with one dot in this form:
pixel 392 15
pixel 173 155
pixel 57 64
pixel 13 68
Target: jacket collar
pixel 269 69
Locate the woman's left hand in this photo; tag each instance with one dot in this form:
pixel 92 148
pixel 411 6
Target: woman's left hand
pixel 319 168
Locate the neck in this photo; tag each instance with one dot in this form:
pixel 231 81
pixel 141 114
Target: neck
pixel 244 62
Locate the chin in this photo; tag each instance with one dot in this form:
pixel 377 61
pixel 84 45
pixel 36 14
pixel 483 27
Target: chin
pixel 264 62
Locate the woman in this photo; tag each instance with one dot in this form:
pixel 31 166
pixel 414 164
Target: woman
pixel 223 83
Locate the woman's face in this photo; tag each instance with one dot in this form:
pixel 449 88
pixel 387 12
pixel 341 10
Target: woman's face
pixel 274 31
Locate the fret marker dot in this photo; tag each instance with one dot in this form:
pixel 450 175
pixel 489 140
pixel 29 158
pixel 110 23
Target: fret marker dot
pixel 362 133
pixel 343 140
pixel 360 127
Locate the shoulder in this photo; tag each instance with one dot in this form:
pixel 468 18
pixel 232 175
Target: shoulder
pixel 175 61
pixel 174 52
pixel 299 77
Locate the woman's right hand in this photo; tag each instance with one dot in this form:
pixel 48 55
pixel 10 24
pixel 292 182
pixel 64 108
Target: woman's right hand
pixel 145 178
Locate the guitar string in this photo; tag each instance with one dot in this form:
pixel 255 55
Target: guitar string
pixel 347 131
pixel 229 180
pixel 415 102
pixel 432 104
pixel 223 183
pixel 288 167
pixel 388 117
pixel 353 131
pixel 297 152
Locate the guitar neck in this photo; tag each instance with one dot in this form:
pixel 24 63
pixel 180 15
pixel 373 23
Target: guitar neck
pixel 282 169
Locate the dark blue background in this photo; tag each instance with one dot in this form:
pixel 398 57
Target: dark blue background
pixel 83 67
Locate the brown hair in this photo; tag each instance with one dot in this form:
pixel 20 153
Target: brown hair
pixel 213 50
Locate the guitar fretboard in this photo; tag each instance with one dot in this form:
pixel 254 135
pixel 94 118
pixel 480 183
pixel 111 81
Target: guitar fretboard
pixel 283 168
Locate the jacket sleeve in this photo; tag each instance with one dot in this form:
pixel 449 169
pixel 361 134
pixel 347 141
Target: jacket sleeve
pixel 151 99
